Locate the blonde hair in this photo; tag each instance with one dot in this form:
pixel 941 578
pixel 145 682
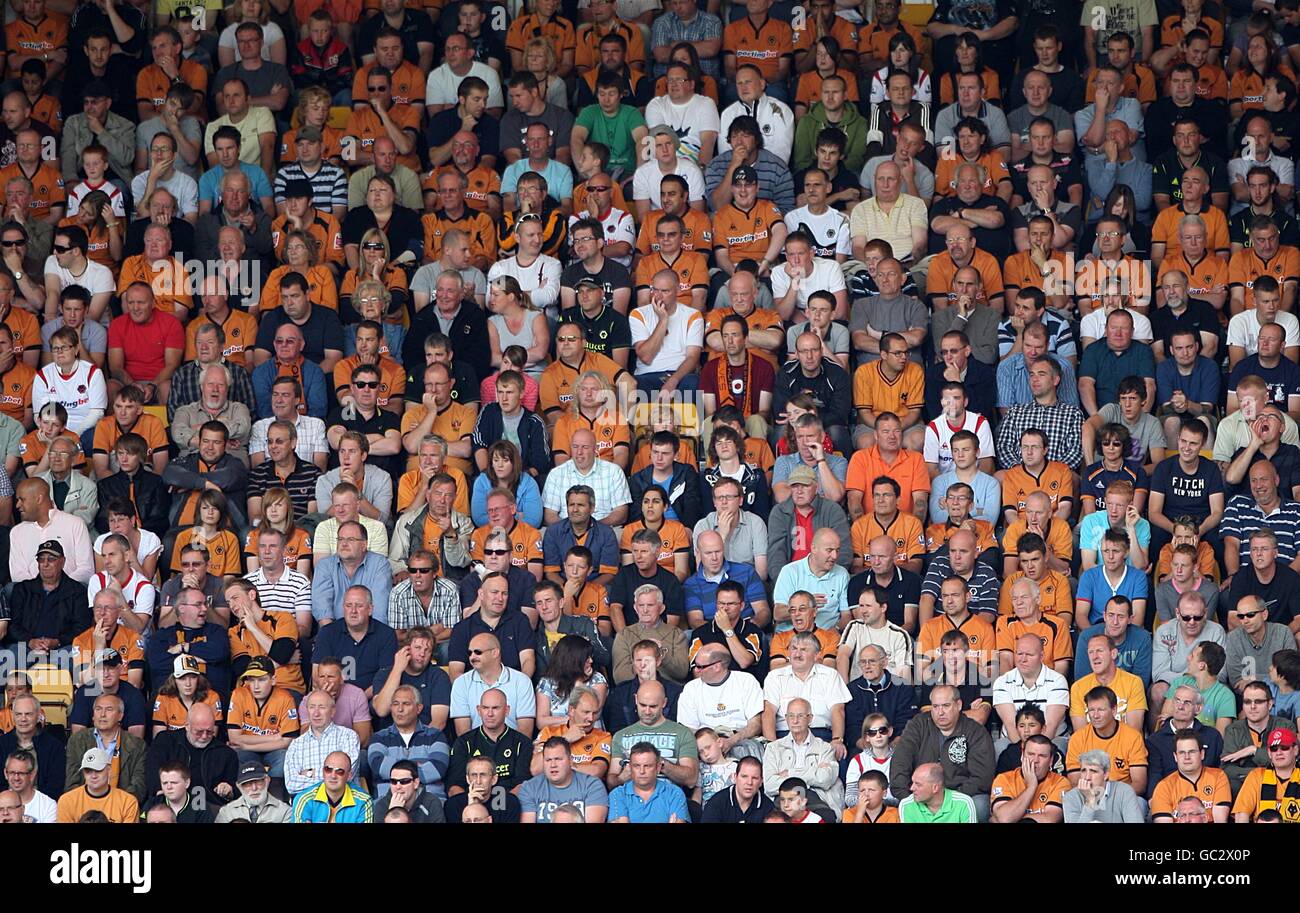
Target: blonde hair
pixel 552 63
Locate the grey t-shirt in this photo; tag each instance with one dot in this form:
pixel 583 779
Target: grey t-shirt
pixel 838 339
pixel 543 797
pixel 426 279
pixel 514 124
pixel 1146 431
pixel 888 315
pixel 924 177
pixel 93 334
pixel 259 81
pixel 510 427
pixel 1018 120
pixel 190 127
pixel 945 125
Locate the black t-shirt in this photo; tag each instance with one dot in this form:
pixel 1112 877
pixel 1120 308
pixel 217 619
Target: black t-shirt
pixel 1187 494
pixel 1167 174
pixel 997 241
pixel 512 631
pixel 1199 316
pixel 416 27
pixel 135 713
pixel 843 180
pixel 622 588
pixel 1287 228
pixel 1066 167
pixel 1281 595
pixel 612 275
pixel 503 807
pixel 380 423
pixel 321 331
pixel 404 231
pixel 905 590
pixel 446 124
pixel 607 331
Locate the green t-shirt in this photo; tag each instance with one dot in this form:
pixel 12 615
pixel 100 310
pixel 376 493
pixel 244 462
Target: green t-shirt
pixel 673 740
pixel 614 132
pixel 957 808
pixel 1218 700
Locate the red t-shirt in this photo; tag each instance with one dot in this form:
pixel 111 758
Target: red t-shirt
pixel 803 536
pixel 744 382
pixel 144 345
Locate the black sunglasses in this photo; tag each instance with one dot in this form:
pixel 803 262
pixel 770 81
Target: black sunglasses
pixel 400 781
pixel 365 384
pixel 496 551
pixel 60 248
pixel 17 244
pixel 878 730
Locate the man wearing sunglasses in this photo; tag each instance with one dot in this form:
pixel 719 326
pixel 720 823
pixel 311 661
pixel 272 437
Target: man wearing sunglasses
pixel 333 799
pixel 1245 744
pixel 1275 785
pixel 1174 642
pixel 1251 644
pixel 403 790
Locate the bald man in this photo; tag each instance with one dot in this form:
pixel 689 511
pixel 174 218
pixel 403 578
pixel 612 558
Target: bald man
pixel 818 573
pixel 44 524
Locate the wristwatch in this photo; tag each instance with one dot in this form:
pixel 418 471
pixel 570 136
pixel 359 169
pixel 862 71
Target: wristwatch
pixel 728 634
pixel 18 277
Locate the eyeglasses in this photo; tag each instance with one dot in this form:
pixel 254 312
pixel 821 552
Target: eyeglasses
pixel 334 770
pixel 1108 234
pixel 56 349
pixel 1255 701
pixel 58 248
pixel 597 188
pixel 496 551
pixel 351 539
pixel 1112 443
pixel 365 384
pixel 400 781
pixel 420 570
pixel 1190 618
pixel 705 665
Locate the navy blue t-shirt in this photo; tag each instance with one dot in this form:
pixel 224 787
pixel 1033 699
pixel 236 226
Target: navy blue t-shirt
pixel 1187 494
pixel 1283 379
pixel 513 631
pixel 135 708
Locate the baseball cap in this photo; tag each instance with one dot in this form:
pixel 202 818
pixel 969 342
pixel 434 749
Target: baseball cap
pixel 310 133
pixel 298 187
pixel 185 665
pixel 96 759
pixel 664 130
pixel 97 88
pixel 744 175
pixel 1282 738
pixel 801 475
pixel 108 657
pixel 258 667
pixel 50 547
pixel 251 771
pixel 586 282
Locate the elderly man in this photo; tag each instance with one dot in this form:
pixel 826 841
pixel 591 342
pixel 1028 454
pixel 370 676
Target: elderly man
pixel 1181 712
pixel 802 753
pixel 487 671
pixel 897 218
pixel 648 605
pixel 1098 798
pixel 46 611
pixel 363 641
pixel 817 684
pixel 333 799
pixel 255 804
pixel 189 383
pixel 105 676
pixel 321 738
pixel 126 750
pixel 605 478
pixel 1176 639
pixel 234 210
pixel 805 509
pixel 931 738
pixel 352 566
pixel 43 524
pixel 214 405
pixel 213 764
pixel 590 744
pixel 1268 785
pixel 288 363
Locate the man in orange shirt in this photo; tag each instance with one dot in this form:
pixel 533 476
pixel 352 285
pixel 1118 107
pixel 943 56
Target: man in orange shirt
pixel 892 385
pixel 888 458
pixel 590 745
pixel 301 214
pixel 605 21
pixel 453 211
pixel 392 377
pixel 168 69
pixel 760 40
pixel 37 35
pixel 49 198
pixel 1266 256
pixel 747 228
pixel 1033 791
pixel 383 117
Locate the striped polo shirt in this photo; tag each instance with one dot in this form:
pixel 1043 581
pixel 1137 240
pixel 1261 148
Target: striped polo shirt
pixel 329 185
pixel 291 593
pixel 300 483
pixel 1243 517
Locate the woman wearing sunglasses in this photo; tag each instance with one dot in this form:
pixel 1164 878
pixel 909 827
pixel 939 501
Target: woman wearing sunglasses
pixel 374 265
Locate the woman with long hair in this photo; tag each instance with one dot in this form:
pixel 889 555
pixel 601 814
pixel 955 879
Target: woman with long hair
pixel 277 513
pixel 301 255
pixel 184 688
pixel 973 146
pixel 968 51
pixel 540 60
pixel 1113 444
pixel 514 358
pixel 374 264
pixel 826 57
pixel 211 532
pixel 799 404
pixel 146 547
pixel 571 665
pixel 904 56
pixel 1120 202
pixel 103 230
pixel 727 460
pixel 314 103
pixel 505 469
pixel 515 321
pixel 674 538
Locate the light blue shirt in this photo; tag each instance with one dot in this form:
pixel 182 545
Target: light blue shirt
pixel 988 497
pixel 466 691
pixel 667 800
pixel 330 581
pixel 1094 526
pixel 559 179
pixel 210 183
pixel 834 585
pixel 1013 383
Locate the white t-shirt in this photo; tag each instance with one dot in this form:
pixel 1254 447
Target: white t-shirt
pixel 115 201
pixel 271 33
pixel 727 707
pixel 97 279
pixel 1094 325
pixel 541 280
pixel 685 329
pixel 775 119
pixel 42 809
pixel 442 85
pixel 140 593
pixel 691 121
pixel 180 185
pixel 149 545
pixel 827 276
pixel 81 393
pixel 938 439
pixel 1243 330
pixel 830 230
pixel 647 178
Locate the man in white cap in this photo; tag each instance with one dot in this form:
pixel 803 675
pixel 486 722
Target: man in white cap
pixel 96 794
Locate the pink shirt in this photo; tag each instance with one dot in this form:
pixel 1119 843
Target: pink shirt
pixel 351 708
pixel 487 391
pixel 70 532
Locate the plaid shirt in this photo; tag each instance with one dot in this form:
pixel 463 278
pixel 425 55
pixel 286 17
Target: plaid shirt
pixel 187 387
pixel 405 610
pixel 1062 423
pixel 606 480
pixel 311 436
pixel 305 756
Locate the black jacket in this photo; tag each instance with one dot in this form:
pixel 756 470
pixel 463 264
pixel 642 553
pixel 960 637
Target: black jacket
pixel 490 428
pixel 895 699
pixel 583 627
pixel 981 390
pixel 66 614
pixel 1160 751
pixel 51 758
pixel 427 809
pixel 183 473
pixel 190 814
pixel 217 763
pixel 831 390
pixel 468 334
pixel 683 493
pixel 150 500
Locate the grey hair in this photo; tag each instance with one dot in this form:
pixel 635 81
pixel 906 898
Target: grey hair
pixel 649 588
pixel 808 638
pixel 577 692
pixel 1034 589
pixel 498 534
pixel 435 439
pixel 1095 758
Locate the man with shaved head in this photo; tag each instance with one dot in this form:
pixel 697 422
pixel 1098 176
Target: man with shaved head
pixel 675 742
pixel 820 574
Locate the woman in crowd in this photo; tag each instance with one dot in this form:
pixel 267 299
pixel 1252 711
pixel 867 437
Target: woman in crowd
pixel 505 470
pixel 277 513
